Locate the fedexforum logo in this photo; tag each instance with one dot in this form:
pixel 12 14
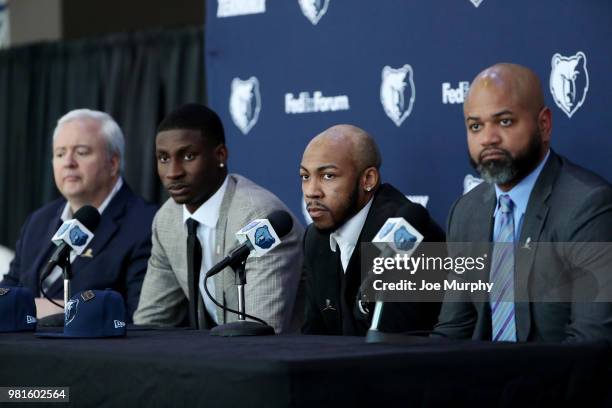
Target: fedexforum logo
pixel 305 103
pixel 454 95
pixel 397 93
pixel 230 8
pixel 314 9
pixel 245 103
pixel 569 81
pixel 476 3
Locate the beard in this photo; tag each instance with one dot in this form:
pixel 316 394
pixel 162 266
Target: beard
pixel 509 170
pixel 345 213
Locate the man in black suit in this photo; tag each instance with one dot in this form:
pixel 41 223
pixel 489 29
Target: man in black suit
pixel 536 196
pixel 348 205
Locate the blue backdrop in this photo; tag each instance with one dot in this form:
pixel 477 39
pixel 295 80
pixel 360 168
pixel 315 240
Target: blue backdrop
pixel 280 72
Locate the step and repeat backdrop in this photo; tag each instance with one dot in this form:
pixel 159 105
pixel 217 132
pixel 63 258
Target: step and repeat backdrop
pixel 281 71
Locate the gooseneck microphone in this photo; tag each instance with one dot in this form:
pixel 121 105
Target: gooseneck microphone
pixel 257 238
pixel 72 236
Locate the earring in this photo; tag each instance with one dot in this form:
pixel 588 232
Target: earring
pixel 368 189
pixel 221 165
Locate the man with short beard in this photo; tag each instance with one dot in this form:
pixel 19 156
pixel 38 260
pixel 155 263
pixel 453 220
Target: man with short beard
pixel 340 174
pixel 531 195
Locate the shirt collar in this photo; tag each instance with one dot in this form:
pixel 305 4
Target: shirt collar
pixel 67 212
pixel 521 192
pixel 349 232
pixel 208 213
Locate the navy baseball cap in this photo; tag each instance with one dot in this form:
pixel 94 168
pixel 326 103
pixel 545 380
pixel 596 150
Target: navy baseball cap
pixel 17 309
pixel 93 313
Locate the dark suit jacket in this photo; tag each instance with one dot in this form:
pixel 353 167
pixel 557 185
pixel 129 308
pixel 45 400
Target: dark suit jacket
pixel 567 204
pixel 121 247
pixel 331 294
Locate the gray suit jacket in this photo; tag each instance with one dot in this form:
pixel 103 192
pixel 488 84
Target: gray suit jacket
pixel 567 204
pixel 272 280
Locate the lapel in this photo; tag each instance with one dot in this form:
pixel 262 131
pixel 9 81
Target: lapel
pixel 224 280
pixel 533 224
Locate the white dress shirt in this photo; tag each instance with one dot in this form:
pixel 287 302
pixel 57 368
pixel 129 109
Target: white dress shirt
pixel 207 216
pixel 346 236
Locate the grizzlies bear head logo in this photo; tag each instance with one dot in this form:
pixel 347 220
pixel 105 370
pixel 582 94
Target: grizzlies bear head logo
pixel 397 93
pixel 314 9
pixel 569 82
pixel 404 240
pixel 245 103
pixel 263 238
pixel 77 237
pixel 385 230
pixel 70 311
pixel 476 3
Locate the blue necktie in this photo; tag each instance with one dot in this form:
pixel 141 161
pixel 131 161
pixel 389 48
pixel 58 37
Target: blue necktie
pixel 502 275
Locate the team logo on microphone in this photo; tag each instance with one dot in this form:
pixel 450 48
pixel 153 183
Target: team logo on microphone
pixel 404 240
pixel 62 229
pixel 70 311
pixel 314 9
pixel 476 3
pixel 263 238
pixel 388 227
pixel 77 237
pixel 397 93
pixel 569 81
pixel 245 103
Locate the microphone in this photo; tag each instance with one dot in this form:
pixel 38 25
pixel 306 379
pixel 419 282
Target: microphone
pixel 73 235
pixel 399 234
pixel 257 238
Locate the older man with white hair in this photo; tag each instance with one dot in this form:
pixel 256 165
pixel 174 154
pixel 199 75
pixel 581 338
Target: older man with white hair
pixel 88 148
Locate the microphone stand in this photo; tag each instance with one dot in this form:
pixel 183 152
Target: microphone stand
pixel 242 327
pixel 67 272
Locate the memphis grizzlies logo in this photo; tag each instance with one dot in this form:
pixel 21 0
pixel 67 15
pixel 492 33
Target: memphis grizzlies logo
pixel 397 93
pixel 569 81
pixel 263 238
pixel 404 240
pixel 476 3
pixel 385 230
pixel 245 103
pixel 70 311
pixel 314 9
pixel 77 237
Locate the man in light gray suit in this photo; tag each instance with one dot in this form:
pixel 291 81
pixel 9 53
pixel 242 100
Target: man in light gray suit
pixel 214 205
pixel 531 195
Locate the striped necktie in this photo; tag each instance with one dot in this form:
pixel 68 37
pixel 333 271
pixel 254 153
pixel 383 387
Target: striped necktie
pixel 502 275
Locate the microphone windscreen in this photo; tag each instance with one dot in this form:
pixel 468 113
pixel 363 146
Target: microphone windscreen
pixel 415 214
pixel 88 216
pixel 281 222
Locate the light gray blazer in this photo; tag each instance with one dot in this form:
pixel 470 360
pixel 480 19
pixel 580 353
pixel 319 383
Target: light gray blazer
pixel 272 280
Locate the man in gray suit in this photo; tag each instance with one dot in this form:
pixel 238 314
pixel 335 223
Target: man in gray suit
pixel 191 163
pixel 531 195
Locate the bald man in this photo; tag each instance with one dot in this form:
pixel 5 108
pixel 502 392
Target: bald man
pixel 531 195
pixel 340 174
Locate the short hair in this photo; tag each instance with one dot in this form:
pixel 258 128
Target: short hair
pixel 195 116
pixel 109 129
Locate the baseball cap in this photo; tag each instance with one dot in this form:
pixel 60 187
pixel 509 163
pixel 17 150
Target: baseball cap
pixel 17 309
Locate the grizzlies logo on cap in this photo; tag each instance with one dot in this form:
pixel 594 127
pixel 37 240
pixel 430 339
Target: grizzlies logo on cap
pixel 77 237
pixel 70 311
pixel 404 240
pixel 263 238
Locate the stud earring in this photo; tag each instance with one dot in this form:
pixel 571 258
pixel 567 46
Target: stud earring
pixel 221 165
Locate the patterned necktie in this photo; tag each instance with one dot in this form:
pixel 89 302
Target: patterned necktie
pixel 194 263
pixel 502 275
